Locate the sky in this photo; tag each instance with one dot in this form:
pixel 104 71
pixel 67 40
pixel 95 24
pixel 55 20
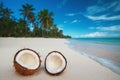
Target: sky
pixel 78 18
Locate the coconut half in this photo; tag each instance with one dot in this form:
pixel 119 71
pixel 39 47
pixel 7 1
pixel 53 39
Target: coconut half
pixel 27 61
pixel 55 63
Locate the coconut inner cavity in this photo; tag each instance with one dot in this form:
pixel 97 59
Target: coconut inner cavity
pixel 55 63
pixel 28 59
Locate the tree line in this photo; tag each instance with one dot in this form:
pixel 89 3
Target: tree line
pixel 30 25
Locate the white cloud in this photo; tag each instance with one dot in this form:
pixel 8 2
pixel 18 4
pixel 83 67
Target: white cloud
pixel 104 17
pixel 110 28
pixel 65 21
pixel 100 34
pixel 94 34
pixel 91 10
pixel 94 9
pixel 75 21
pixel 117 7
pixel 71 14
pixel 71 22
pixel 103 10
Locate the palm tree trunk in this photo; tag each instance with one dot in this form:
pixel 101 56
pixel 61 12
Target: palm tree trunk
pixel 42 31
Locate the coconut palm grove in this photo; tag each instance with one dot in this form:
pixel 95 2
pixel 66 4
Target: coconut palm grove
pixel 42 25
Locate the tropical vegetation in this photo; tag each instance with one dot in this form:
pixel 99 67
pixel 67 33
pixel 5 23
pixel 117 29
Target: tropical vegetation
pixel 29 24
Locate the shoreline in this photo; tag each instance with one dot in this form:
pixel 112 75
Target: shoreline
pixel 81 66
pixel 103 60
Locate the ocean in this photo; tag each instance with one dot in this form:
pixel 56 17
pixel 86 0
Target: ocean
pixel 106 51
pixel 113 41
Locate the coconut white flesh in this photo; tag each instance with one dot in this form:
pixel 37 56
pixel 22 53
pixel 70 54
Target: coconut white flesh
pixel 55 63
pixel 28 59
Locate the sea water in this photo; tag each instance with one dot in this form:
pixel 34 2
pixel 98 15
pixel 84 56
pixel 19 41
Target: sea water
pixel 114 41
pixel 107 51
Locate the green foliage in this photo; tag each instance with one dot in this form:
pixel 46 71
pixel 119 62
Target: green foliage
pixel 42 25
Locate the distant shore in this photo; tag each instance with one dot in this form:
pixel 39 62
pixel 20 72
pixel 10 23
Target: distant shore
pixel 79 66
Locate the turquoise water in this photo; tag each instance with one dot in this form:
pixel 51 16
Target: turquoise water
pixel 114 41
pixel 106 51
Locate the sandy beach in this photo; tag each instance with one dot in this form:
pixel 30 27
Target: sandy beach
pixel 79 67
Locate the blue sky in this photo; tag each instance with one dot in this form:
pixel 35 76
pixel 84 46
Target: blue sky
pixel 78 18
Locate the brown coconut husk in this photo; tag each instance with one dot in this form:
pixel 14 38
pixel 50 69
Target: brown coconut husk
pixel 60 71
pixel 22 70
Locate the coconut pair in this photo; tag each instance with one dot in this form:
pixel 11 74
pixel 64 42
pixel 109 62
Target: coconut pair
pixel 28 61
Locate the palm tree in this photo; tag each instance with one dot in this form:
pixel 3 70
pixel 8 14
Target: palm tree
pixel 60 33
pixel 36 30
pixel 6 21
pixel 55 30
pixel 31 17
pixel 21 27
pixel 1 9
pixel 27 11
pixel 46 19
pixel 6 13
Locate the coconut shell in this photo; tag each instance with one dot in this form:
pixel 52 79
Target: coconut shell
pixel 60 71
pixel 22 70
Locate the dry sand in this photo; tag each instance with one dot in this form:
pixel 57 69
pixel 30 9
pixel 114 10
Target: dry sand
pixel 79 67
